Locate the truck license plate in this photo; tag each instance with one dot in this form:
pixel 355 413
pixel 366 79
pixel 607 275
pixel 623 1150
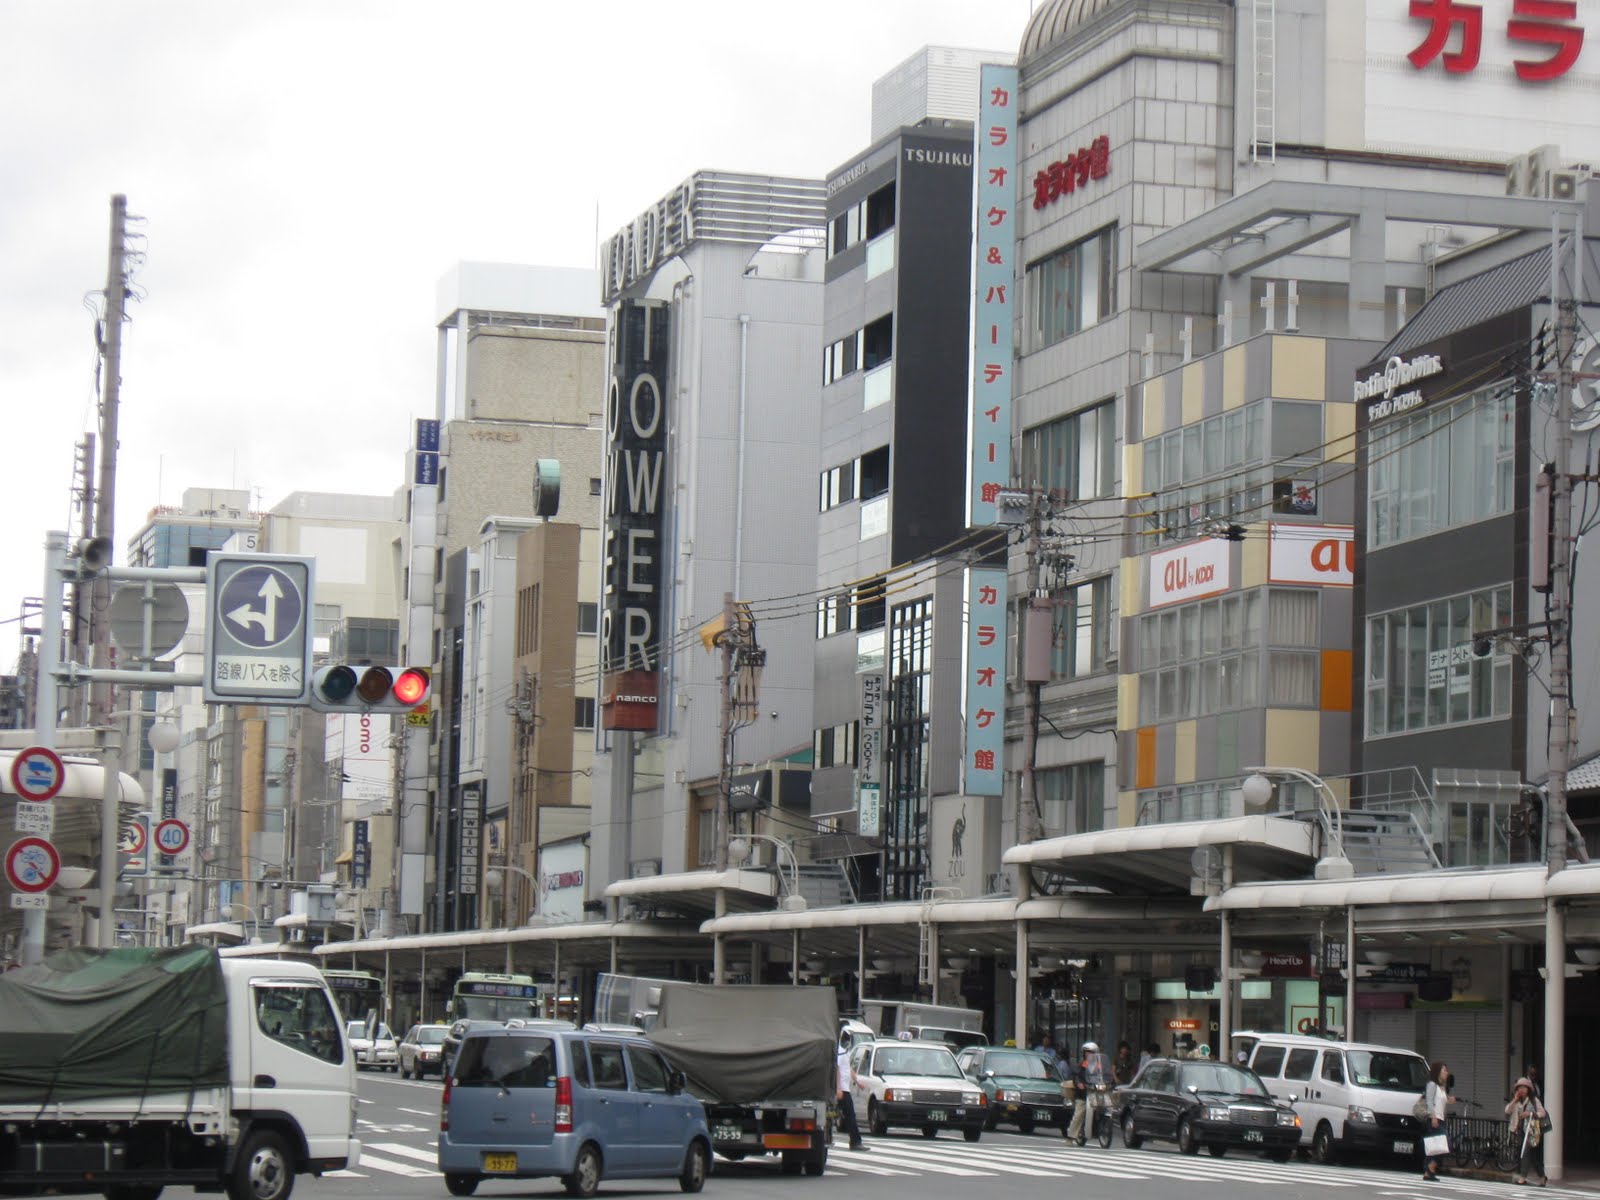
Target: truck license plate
pixel 938 1114
pixel 727 1133
pixel 504 1163
pixel 1253 1135
pixel 1402 1147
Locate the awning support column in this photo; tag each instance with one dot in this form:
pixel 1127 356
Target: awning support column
pixel 1224 1046
pixel 719 951
pixel 1555 1037
pixel 422 988
pixel 509 964
pixel 794 956
pixel 555 972
pixel 861 969
pixel 613 956
pixel 1350 957
pixel 1020 1018
pixel 388 993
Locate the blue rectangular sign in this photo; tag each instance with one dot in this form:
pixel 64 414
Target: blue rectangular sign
pixel 427 435
pixel 984 690
pixel 427 472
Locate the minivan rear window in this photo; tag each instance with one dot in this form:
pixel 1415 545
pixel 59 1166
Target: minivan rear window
pixel 509 1062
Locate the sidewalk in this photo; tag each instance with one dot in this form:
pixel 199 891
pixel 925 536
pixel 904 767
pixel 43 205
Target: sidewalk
pixel 1581 1176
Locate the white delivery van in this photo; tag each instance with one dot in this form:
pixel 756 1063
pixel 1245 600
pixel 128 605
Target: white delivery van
pixel 1351 1096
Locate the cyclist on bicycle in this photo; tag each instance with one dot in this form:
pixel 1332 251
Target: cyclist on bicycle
pixel 1093 1077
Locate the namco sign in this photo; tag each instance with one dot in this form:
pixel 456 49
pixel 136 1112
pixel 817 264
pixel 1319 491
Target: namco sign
pixel 1316 554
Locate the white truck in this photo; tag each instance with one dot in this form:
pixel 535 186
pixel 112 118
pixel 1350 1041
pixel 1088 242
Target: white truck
pixel 956 1027
pixel 124 1071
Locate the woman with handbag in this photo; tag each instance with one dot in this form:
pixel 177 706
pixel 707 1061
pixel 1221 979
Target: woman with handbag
pixel 1528 1121
pixel 1435 1100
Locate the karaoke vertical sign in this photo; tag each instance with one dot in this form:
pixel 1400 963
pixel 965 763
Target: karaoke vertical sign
pixel 994 241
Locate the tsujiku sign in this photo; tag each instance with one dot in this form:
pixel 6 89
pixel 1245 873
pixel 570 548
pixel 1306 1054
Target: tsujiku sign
pixel 994 240
pixel 983 760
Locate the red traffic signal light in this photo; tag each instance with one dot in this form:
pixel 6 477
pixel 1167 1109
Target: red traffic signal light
pixel 359 688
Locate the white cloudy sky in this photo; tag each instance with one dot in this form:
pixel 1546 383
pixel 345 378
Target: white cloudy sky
pixel 308 170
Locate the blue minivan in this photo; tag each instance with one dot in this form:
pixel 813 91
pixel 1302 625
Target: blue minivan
pixel 524 1103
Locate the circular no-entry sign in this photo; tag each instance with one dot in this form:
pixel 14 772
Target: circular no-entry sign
pixel 37 774
pixel 32 864
pixel 171 836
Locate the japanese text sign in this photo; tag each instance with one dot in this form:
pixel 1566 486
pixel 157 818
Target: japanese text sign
pixel 984 693
pixel 1543 36
pixel 1066 176
pixel 994 190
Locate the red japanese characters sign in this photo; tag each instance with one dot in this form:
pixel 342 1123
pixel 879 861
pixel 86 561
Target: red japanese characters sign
pixel 1075 171
pixel 983 771
pixel 1545 36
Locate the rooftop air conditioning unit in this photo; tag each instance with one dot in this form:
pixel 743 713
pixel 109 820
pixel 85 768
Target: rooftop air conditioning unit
pixel 1564 184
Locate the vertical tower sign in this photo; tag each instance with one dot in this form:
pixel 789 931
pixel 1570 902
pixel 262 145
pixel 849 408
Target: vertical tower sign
pixel 636 441
pixel 983 758
pixel 994 188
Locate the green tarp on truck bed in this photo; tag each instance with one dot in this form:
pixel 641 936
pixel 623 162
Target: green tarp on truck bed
pixel 87 1024
pixel 748 1044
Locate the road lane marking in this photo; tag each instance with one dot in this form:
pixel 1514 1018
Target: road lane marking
pixel 419 1112
pixel 910 1160
pixel 432 1159
pixel 395 1168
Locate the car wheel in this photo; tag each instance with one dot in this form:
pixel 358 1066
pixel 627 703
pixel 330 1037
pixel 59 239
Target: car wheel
pixel 264 1170
pixel 1187 1142
pixel 876 1125
pixel 817 1163
pixel 460 1185
pixel 1025 1125
pixel 1322 1149
pixel 1130 1135
pixel 930 1131
pixel 1216 1150
pixel 585 1178
pixel 696 1166
pixel 992 1121
pixel 972 1134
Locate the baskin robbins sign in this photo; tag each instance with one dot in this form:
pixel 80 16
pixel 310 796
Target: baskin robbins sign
pixel 1386 385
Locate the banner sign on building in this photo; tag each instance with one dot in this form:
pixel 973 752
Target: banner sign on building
pixel 471 839
pixel 1324 555
pixel 169 810
pixel 1192 571
pixel 428 435
pixel 869 756
pixel 984 696
pixel 362 744
pixel 635 462
pixel 361 854
pixel 994 189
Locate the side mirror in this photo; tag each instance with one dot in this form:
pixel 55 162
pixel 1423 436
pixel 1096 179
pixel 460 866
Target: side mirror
pixel 677 1082
pixel 988 1074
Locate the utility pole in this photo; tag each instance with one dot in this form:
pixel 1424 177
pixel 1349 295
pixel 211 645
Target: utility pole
pixel 1036 634
pixel 523 708
pixel 83 494
pixel 725 772
pixel 106 494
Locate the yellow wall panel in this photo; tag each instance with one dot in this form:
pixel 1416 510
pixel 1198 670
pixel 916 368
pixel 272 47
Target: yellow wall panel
pixel 1183 761
pixel 1127 701
pixel 1194 393
pixel 1253 556
pixel 1233 362
pixel 1339 427
pixel 1299 368
pixel 1129 575
pixel 1294 738
pixel 1155 408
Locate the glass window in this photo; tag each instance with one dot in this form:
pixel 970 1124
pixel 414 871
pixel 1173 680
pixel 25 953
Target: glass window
pixel 874 473
pixel 1071 289
pixel 1332 1066
pixel 1296 429
pixel 1421 669
pixel 510 1062
pixel 580 1063
pixel 1302 1061
pixel 649 1072
pixel 609 1073
pixel 300 1017
pixel 1268 1062
pixel 583 712
pixel 1074 456
pixel 1082 625
pixel 1071 799
pixel 588 617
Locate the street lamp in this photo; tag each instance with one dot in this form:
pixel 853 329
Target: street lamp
pixel 231 912
pixel 739 850
pixel 494 878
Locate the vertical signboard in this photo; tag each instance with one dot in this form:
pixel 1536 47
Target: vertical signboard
pixel 636 441
pixel 869 772
pixel 994 240
pixel 169 810
pixel 471 839
pixel 426 471
pixel 360 854
pixel 984 696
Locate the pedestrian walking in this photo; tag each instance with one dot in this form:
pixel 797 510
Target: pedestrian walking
pixel 1046 1046
pixel 846 1098
pixel 1526 1116
pixel 1123 1066
pixel 1436 1101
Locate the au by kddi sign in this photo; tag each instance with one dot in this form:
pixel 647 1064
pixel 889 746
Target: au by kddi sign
pixel 258 635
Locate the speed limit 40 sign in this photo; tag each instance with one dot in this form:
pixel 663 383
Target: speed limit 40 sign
pixel 171 836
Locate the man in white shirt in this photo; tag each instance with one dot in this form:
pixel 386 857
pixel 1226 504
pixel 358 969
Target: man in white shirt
pixel 846 1099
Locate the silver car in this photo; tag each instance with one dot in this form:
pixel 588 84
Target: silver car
pixel 380 1051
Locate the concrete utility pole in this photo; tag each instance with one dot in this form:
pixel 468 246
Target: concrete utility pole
pixel 1562 730
pixel 106 494
pixel 725 771
pixel 83 590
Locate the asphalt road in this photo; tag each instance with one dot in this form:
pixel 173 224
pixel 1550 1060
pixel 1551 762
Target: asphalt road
pixel 399 1121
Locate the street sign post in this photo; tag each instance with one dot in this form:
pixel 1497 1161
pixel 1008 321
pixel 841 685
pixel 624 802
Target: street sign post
pixel 258 632
pixel 134 848
pixel 32 864
pixel 37 774
pixel 36 818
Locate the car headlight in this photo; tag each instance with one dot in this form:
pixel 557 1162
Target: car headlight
pixel 1007 1096
pixel 893 1095
pixel 979 1099
pixel 1361 1116
pixel 1216 1112
pixel 1289 1118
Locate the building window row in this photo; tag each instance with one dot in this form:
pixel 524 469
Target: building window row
pixel 862 608
pixel 1082 628
pixel 862 221
pixel 1073 457
pixel 583 712
pixel 836 745
pixel 1421 669
pixel 1071 289
pixel 864 478
pixel 1071 799
pixel 1451 466
pixel 867 347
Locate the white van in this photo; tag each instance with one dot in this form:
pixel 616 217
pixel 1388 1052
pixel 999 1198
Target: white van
pixel 1350 1095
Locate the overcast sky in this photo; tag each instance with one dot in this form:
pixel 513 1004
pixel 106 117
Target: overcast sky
pixel 307 171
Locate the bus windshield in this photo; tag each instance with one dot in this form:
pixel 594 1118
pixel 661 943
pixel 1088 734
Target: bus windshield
pixel 495 1008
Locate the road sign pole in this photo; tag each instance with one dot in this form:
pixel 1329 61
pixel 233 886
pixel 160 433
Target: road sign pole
pixel 46 701
pixel 110 831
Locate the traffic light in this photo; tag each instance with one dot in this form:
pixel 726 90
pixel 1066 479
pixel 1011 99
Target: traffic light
pixel 358 688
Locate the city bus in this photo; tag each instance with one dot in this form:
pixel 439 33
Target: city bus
pixel 358 993
pixel 487 996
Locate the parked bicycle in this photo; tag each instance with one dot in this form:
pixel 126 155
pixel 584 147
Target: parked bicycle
pixel 1480 1141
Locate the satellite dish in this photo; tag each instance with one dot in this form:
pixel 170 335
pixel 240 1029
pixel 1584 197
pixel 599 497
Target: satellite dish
pixel 1206 862
pixel 169 619
pixel 1586 389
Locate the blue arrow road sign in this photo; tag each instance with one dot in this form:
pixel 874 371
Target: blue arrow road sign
pixel 262 606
